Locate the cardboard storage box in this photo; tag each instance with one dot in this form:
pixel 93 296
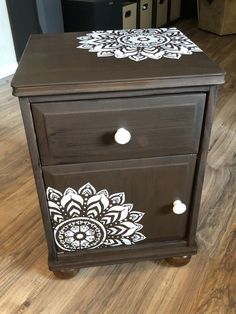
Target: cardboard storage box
pixel 162 12
pixel 129 15
pixel 217 16
pixel 145 13
pixel 175 10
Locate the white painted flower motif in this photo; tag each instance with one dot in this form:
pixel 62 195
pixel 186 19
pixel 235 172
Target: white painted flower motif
pixel 88 219
pixel 139 44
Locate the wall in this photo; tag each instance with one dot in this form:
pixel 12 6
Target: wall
pixel 8 62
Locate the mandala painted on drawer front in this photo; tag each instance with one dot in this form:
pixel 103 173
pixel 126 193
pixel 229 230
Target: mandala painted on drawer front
pixel 86 219
pixel 139 44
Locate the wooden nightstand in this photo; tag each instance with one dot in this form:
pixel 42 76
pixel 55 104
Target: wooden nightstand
pixel 118 126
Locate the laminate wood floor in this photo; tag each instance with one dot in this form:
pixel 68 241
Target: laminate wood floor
pixel 206 285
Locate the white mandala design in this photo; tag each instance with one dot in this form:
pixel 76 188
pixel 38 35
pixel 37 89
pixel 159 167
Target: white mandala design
pixel 139 44
pixel 88 219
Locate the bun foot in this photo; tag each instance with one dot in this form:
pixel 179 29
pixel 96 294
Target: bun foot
pixel 65 273
pixel 178 261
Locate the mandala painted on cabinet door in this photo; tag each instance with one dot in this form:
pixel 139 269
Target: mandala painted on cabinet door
pixel 139 44
pixel 86 219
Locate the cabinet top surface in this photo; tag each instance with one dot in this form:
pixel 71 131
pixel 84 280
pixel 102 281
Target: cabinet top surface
pixel 112 60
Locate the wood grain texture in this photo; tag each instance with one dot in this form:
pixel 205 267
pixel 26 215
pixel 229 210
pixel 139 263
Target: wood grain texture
pixel 35 160
pixel 82 131
pixel 206 285
pixel 150 177
pixel 63 69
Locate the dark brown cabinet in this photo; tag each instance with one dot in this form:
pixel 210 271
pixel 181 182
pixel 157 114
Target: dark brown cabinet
pixel 118 143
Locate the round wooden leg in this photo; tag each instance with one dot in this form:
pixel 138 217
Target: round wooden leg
pixel 65 273
pixel 178 261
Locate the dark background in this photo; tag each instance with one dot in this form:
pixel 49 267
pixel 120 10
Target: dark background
pixel 52 16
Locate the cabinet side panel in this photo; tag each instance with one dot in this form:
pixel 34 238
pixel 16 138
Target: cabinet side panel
pixel 36 165
pixel 201 162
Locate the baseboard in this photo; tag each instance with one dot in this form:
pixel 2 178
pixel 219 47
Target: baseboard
pixel 8 70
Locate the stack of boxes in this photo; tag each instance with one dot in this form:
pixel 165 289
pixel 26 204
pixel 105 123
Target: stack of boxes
pixel 150 13
pixel 87 15
pixel 217 16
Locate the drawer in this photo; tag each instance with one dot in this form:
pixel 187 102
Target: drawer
pixel 83 131
pixel 116 203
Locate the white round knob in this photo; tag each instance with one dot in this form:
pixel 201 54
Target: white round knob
pixel 122 136
pixel 179 207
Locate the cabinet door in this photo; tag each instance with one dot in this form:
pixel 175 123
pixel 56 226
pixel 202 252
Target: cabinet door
pixel 119 203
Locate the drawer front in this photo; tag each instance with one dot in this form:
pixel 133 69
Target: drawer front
pixel 119 203
pixel 83 131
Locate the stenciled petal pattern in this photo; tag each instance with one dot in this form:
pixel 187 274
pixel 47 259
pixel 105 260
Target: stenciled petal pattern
pixel 139 44
pixel 88 219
